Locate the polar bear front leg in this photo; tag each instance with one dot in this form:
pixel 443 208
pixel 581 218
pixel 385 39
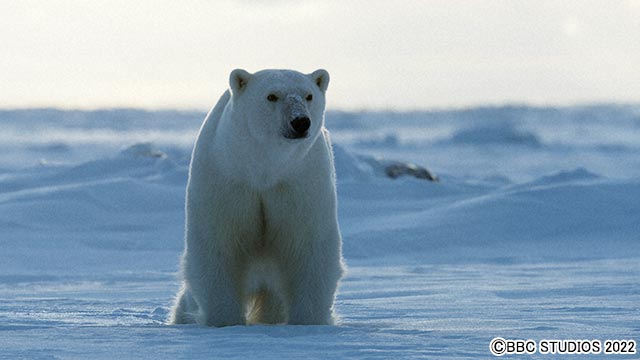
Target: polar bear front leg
pixel 214 288
pixel 312 289
pixel 184 308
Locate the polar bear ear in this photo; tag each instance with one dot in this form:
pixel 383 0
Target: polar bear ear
pixel 238 80
pixel 321 78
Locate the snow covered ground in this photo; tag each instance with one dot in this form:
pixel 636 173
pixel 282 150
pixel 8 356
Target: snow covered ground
pixel 533 232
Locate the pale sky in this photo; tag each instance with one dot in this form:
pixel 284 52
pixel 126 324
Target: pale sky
pixel 381 54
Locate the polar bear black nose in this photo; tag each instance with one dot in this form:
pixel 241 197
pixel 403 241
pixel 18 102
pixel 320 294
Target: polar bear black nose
pixel 300 125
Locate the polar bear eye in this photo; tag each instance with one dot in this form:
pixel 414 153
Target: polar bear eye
pixel 272 97
pixel 309 97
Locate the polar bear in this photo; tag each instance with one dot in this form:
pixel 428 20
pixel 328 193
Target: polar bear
pixel 262 243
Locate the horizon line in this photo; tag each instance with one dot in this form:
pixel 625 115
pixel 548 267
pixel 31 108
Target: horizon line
pixel 440 108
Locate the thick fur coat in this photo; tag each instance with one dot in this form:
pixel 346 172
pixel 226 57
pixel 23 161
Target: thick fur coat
pixel 262 240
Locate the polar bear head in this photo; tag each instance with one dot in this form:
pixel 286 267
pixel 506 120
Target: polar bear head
pixel 279 106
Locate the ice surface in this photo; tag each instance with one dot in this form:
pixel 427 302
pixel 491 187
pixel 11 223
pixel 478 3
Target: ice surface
pixel 519 239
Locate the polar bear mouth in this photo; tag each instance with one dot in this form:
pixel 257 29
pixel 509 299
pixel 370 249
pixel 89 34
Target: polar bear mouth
pixel 295 135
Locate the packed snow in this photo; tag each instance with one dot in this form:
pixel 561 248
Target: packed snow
pixel 532 231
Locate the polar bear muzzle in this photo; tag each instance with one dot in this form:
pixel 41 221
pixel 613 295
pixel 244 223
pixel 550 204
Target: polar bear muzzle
pixel 299 128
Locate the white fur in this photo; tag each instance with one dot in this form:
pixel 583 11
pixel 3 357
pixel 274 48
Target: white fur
pixel 262 243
